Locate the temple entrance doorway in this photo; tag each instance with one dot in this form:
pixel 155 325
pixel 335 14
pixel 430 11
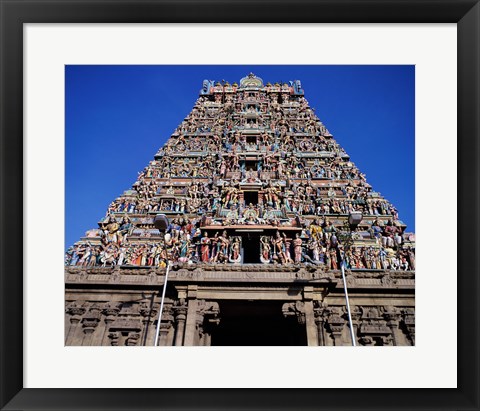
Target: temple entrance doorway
pixel 257 323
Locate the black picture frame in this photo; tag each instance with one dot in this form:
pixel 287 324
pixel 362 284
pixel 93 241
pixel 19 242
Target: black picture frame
pixel 14 13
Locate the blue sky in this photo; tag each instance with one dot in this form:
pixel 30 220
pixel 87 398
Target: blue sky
pixel 117 117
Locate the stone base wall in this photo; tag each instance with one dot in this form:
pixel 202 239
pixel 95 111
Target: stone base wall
pixel 121 306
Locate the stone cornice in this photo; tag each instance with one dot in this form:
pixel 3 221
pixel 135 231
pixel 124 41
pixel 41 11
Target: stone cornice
pixel 241 274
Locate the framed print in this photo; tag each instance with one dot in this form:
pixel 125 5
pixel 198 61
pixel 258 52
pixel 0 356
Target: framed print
pixel 50 64
pixel 227 190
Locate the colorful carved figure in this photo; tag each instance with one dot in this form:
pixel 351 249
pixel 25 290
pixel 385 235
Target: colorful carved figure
pixel 265 255
pixel 297 248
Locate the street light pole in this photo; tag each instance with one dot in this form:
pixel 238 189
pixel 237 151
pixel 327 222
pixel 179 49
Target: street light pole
pixel 161 223
pixel 350 323
pixel 157 333
pixel 354 220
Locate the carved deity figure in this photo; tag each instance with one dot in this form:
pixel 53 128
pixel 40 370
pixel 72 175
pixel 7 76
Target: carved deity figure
pixel 235 256
pixel 297 248
pixel 205 247
pixel 279 246
pixel 316 230
pixel 265 250
pixel 111 229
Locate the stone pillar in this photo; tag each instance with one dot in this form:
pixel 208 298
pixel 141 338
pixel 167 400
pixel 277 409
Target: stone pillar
pixel 319 311
pixel 321 336
pixel 392 315
pixel 88 329
pixel 76 311
pixel 181 310
pixel 191 323
pixel 312 332
pixel 110 311
pixel 311 328
pixel 180 317
pixel 74 321
pixel 90 322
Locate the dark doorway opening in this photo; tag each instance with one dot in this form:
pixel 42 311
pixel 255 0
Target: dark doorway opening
pixel 257 323
pixel 250 197
pixel 251 165
pixel 251 249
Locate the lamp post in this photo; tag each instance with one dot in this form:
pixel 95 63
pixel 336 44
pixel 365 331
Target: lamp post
pixel 354 220
pixel 161 223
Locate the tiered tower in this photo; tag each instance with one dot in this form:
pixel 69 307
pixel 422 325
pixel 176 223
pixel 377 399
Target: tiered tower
pixel 258 196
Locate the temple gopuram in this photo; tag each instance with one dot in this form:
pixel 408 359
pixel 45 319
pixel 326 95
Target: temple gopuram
pixel 271 237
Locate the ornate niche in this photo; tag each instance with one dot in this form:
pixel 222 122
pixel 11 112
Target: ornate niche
pixel 126 327
pixel 75 311
pixel 408 323
pixel 335 324
pixel 90 322
pixel 373 328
